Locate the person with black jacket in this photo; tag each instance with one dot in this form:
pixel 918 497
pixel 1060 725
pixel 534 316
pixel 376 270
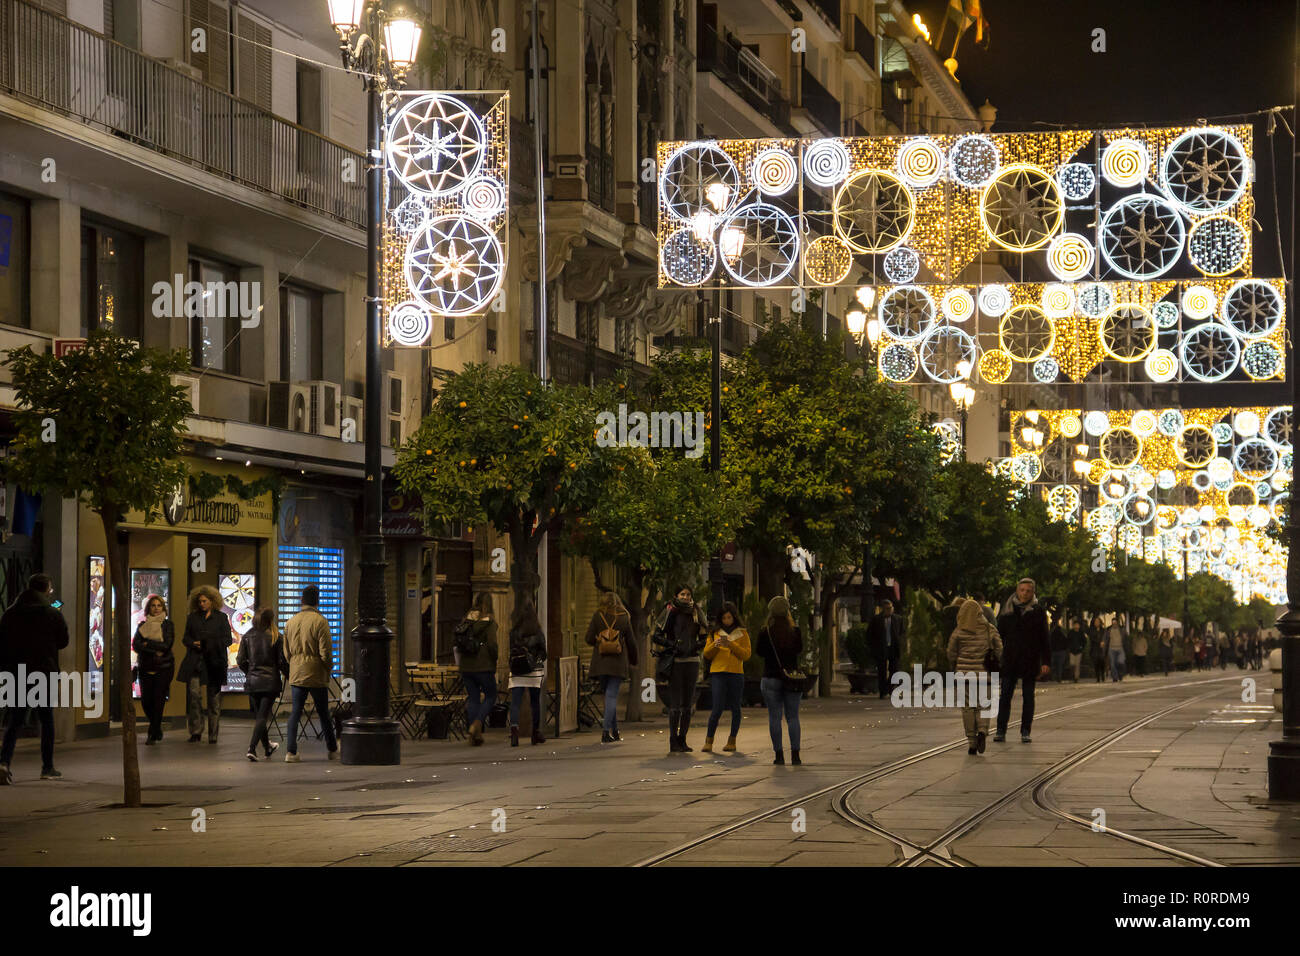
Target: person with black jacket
pixel 154 662
pixel 207 639
pixel 1026 655
pixel 475 644
pixel 527 670
pixel 265 666
pixel 1078 643
pixel 885 637
pixel 1060 647
pixel 1097 648
pixel 31 634
pixel 780 644
pixel 680 635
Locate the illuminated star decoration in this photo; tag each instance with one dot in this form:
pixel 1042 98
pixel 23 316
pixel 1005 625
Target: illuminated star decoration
pixel 454 266
pixel 435 144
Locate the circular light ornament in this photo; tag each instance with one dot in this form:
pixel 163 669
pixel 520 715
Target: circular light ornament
pixel 901 265
pixel 485 198
pixel 973 160
pixel 1220 471
pixel 995 366
pixel 1104 517
pixel 1217 245
pixel 1058 300
pixel 1255 459
pixel 1096 423
pixel 1241 494
pixel 1026 467
pixel 1069 256
pixel 773 171
pixel 827 260
pixel 1259 516
pixel 454 266
pixel 691 173
pixel 1077 181
pixel 1166 479
pixel 1127 333
pixel 1222 432
pixel 943 350
pixel 1069 426
pixel 1143 423
pixel 1261 359
pixel 1195 446
pixel 1139 509
pixel 1047 370
pixel 687 259
pixel 771 245
pixel 958 305
pixel 826 162
pixel 1062 502
pixel 1281 478
pixel 1026 333
pixel 899 362
pixel 1161 365
pixel 1141 236
pixel 1205 170
pixel 1120 447
pixel 1199 302
pixel 435 144
pixel 409 323
pixel 906 312
pixel 1021 208
pixel 1114 486
pixel 1252 308
pixel 1095 300
pixel 1165 313
pixel 1277 426
pixel 1124 162
pixel 1246 424
pixel 1170 422
pixel 411 213
pixel 1207 514
pixel 1210 352
pixel 873 211
pixel 919 162
pixel 1191 517
pixel 995 300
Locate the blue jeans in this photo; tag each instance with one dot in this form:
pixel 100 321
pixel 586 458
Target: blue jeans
pixel 778 699
pixel 1116 665
pixel 612 684
pixel 727 689
pixel 481 694
pixel 534 701
pixel 321 698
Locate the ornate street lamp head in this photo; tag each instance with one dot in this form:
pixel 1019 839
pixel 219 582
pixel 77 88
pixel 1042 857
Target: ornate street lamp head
pixel 345 16
pixel 401 40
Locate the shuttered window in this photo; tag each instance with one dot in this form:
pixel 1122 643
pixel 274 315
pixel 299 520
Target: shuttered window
pixel 213 60
pixel 253 61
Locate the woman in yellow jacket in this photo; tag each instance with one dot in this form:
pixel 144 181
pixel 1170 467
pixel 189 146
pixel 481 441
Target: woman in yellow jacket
pixel 726 650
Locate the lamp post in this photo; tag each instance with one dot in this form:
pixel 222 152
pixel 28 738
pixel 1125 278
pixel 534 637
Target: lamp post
pixel 732 245
pixel 963 395
pixel 380 45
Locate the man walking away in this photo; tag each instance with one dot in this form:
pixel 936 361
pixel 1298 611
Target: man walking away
pixel 1025 658
pixel 311 656
pixel 1075 646
pixel 885 636
pixel 1060 645
pixel 32 633
pixel 1140 652
pixel 1115 649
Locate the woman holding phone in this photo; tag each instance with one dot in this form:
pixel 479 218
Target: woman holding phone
pixel 726 650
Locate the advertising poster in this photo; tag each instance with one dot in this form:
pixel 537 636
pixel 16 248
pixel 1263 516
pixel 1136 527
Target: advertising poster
pixel 146 582
pixel 95 610
pixel 239 603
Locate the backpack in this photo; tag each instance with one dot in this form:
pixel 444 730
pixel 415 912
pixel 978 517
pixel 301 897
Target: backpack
pixel 523 660
pixel 608 641
pixel 465 639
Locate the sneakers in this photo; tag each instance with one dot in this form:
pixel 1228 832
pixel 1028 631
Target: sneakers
pixel 1000 737
pixel 272 749
pixel 605 737
pixel 6 777
pixel 49 773
pixel 1024 738
pixel 981 739
pixel 614 734
pixel 292 757
pixel 252 757
pixel 332 755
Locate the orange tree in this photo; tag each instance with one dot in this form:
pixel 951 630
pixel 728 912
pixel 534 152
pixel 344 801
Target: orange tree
pixel 103 425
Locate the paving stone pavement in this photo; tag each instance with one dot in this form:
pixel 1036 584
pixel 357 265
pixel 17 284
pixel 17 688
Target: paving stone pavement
pixel 1193 779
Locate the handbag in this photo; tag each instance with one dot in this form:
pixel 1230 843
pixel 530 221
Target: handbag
pixel 991 662
pixel 608 642
pixel 795 680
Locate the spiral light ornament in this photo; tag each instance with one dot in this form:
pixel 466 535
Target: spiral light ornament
pixel 995 300
pixel 826 162
pixel 774 171
pixel 1070 256
pixel 1199 302
pixel 919 162
pixel 409 323
pixel 1161 365
pixel 958 305
pixel 1124 163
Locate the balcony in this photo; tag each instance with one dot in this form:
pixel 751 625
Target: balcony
pixel 61 66
pixel 892 106
pixel 600 178
pixel 820 104
pixel 829 10
pixel 864 43
pixel 746 75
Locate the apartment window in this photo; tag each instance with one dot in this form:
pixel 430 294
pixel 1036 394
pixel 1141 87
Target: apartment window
pixel 214 331
pixel 112 280
pixel 213 18
pixel 122 22
pixel 15 267
pixel 253 61
pixel 310 102
pixel 301 334
pixel 448 327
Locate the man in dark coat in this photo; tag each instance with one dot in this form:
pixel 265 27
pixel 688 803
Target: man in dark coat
pixel 1026 655
pixel 31 634
pixel 885 637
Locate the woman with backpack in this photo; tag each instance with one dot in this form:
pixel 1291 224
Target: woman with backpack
pixel 475 646
pixel 780 644
pixel 726 650
pixel 527 670
pixel 969 649
pixel 615 654
pixel 679 640
pixel 262 659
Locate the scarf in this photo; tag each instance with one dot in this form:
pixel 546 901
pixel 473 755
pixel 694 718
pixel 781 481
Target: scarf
pixel 151 628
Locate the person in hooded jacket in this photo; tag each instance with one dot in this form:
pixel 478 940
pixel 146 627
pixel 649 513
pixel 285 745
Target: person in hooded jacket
pixel 968 647
pixel 680 634
pixel 611 665
pixel 527 650
pixel 475 645
pixel 155 663
pixel 207 639
pixel 1027 656
pixel 263 661
pixel 31 634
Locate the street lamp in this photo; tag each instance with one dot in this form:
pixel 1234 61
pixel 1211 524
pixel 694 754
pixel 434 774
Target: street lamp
pixel 372 736
pixel 963 396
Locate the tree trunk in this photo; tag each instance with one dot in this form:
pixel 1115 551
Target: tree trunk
pixel 524 578
pixel 122 651
pixel 771 573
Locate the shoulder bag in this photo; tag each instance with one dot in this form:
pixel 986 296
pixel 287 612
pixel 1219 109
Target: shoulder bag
pixel 795 680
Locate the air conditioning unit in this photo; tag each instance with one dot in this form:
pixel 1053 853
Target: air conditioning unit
pixel 394 393
pixel 288 405
pixel 355 409
pixel 325 408
pixel 191 385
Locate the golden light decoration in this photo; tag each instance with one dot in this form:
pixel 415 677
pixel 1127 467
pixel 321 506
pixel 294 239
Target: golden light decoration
pixel 774 171
pixel 1128 333
pixel 1070 256
pixel 1161 365
pixel 1070 426
pixel 1077 347
pixel 958 305
pixel 827 261
pixel 873 211
pixel 1021 207
pixel 1026 334
pixel 1124 162
pixel 1121 447
pixel 995 366
pixel 1144 423
pixel 920 162
pixel 1058 300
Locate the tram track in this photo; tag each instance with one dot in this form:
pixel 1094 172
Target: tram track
pixel 914 852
